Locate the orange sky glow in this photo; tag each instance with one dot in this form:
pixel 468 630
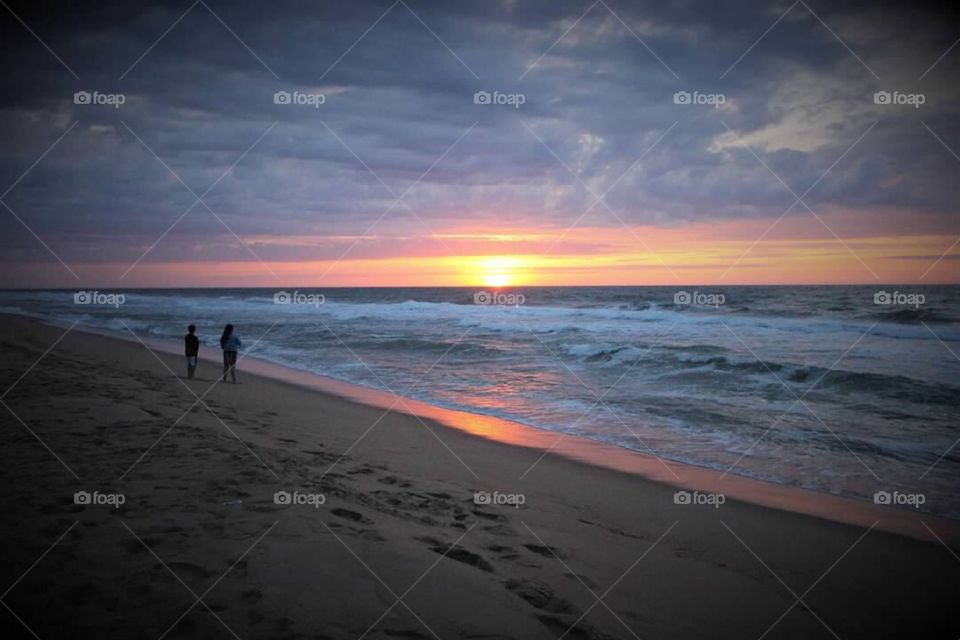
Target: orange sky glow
pixel 797 250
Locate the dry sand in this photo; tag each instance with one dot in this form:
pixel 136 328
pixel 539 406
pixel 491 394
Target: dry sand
pixel 399 549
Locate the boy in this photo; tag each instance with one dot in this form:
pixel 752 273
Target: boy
pixel 191 349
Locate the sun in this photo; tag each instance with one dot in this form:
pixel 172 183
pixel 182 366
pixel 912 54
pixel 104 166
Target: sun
pixel 497 280
pixel 498 271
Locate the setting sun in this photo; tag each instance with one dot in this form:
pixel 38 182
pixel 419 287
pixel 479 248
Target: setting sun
pixel 497 280
pixel 499 271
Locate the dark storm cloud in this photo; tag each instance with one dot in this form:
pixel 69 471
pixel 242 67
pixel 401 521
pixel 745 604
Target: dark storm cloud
pixel 398 100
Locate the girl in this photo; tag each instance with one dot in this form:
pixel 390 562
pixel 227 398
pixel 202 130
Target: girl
pixel 230 343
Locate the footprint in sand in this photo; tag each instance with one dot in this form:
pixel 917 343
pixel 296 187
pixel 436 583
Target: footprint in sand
pixel 458 554
pixel 499 530
pixel 546 552
pixel 362 471
pixel 578 632
pixel 486 515
pixel 394 480
pixel 351 515
pixel 539 595
pixel 503 552
pixel 509 554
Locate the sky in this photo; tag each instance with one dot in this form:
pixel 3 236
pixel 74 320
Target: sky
pixel 495 142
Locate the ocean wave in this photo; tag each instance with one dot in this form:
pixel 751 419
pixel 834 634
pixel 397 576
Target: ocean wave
pixel 911 315
pixel 459 348
pixel 894 323
pixel 695 390
pixel 899 388
pixel 675 360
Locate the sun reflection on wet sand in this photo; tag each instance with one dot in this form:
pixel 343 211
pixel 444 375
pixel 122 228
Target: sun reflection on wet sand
pixel 835 508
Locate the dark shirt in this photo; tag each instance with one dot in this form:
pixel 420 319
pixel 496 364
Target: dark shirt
pixel 191 344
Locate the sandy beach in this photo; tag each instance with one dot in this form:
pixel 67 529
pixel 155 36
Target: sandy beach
pixel 270 510
pixel 579 320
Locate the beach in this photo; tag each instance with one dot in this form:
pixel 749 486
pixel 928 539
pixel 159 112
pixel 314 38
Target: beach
pixel 817 387
pixel 268 509
pixel 542 320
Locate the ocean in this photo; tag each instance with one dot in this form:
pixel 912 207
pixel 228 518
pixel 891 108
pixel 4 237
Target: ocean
pixel 850 390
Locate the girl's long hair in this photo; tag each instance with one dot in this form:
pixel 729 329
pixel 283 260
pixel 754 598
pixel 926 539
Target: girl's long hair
pixel 227 332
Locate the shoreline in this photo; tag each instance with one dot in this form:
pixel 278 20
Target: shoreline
pixel 388 504
pixel 677 475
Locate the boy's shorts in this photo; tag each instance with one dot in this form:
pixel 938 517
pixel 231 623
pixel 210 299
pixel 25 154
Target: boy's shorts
pixel 191 361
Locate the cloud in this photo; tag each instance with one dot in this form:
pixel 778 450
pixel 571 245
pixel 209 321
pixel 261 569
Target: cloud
pixel 398 118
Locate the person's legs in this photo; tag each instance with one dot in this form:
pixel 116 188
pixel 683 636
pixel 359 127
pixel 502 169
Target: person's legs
pixel 191 366
pixel 233 366
pixel 226 364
